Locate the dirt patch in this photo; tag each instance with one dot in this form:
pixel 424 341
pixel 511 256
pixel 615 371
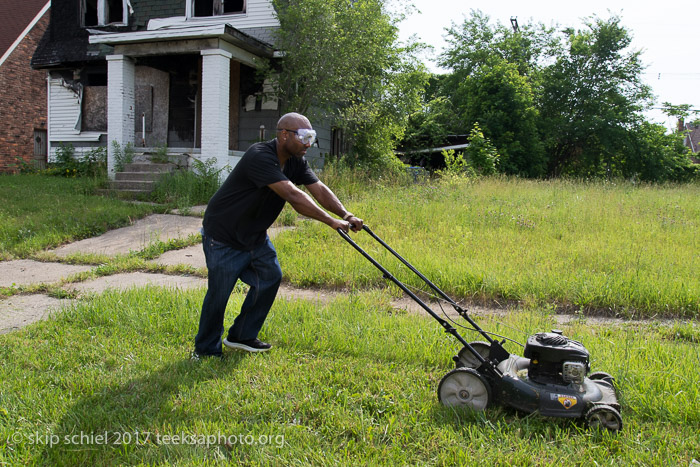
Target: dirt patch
pixel 312 295
pixel 195 211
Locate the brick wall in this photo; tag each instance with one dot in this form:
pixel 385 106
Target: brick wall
pixel 22 101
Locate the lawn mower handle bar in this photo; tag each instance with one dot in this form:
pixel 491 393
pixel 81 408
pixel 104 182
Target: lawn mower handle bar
pixel 448 328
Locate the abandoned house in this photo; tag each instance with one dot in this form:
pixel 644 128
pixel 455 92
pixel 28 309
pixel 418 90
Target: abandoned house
pixel 22 90
pixel 180 73
pixel 692 136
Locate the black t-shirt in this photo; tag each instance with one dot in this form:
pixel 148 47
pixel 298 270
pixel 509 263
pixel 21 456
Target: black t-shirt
pixel 241 211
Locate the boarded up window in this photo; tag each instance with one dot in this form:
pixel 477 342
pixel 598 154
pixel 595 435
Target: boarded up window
pixel 144 107
pixel 94 108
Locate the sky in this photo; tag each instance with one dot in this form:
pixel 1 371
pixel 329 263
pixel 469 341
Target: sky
pixel 667 33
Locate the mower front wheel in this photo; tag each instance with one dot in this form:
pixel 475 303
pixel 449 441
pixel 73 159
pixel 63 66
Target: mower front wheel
pixel 604 416
pixel 464 387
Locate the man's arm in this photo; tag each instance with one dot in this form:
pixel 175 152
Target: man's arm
pixel 330 201
pixel 304 205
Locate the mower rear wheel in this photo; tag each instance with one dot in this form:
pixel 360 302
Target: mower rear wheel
pixel 604 416
pixel 464 387
pixel 465 358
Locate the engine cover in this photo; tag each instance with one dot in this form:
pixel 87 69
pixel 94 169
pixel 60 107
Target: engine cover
pixel 549 352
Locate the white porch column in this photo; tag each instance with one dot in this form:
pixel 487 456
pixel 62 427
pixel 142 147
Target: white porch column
pixel 120 105
pixel 215 105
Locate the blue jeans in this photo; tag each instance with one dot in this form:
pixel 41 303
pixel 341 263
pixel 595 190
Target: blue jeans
pixel 259 269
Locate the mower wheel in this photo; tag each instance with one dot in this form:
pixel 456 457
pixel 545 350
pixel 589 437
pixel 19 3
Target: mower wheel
pixel 464 387
pixel 465 358
pixel 604 416
pixel 602 376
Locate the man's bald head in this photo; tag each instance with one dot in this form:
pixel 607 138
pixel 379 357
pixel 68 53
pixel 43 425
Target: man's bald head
pixel 293 121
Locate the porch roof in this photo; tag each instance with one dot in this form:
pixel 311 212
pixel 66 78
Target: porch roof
pixel 227 35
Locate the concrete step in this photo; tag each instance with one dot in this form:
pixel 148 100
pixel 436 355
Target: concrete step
pixel 143 185
pixel 149 167
pixel 124 194
pixel 138 178
pixel 179 157
pixel 143 176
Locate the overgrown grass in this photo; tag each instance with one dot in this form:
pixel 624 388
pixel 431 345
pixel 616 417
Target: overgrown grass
pixel 615 248
pixel 39 212
pixel 347 384
pixel 353 382
pixel 185 188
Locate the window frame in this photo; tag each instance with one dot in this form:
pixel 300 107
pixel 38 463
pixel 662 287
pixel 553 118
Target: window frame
pixel 189 10
pixel 101 13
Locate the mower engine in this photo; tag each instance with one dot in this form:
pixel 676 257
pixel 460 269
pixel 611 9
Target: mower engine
pixel 556 359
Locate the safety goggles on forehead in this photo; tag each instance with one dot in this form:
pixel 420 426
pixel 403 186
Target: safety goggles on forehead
pixel 305 135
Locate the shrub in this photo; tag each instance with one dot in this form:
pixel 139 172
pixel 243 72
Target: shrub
pixel 122 156
pixel 161 155
pixel 189 187
pixel 481 155
pixel 91 164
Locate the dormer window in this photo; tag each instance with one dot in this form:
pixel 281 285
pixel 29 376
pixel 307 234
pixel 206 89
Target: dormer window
pixel 217 7
pixel 104 12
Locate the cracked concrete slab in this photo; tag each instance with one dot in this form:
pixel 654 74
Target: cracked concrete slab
pixel 21 310
pixel 135 237
pixel 194 255
pixel 28 272
pixel 191 256
pixel 193 211
pixel 137 279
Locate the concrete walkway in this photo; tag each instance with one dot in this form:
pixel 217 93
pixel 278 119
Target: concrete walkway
pixel 21 310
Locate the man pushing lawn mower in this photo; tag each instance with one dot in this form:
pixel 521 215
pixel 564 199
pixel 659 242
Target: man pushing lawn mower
pixel 234 234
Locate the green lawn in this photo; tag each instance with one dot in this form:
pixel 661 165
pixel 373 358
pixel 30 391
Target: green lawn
pixel 353 382
pixel 615 249
pixel 348 383
pixel 39 212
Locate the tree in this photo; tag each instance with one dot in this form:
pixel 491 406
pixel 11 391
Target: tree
pixel 592 99
pixel 502 102
pixel 657 156
pixel 493 72
pixel 477 43
pixel 341 60
pixel 430 124
pixel 554 103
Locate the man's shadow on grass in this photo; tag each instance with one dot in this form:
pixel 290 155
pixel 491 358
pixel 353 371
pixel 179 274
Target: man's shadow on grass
pixel 124 417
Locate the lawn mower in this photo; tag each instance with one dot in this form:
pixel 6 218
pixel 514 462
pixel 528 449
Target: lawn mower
pixel 551 378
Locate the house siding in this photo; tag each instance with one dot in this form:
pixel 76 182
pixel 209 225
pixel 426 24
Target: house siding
pixel 22 100
pixel 259 14
pixel 145 10
pixel 64 110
